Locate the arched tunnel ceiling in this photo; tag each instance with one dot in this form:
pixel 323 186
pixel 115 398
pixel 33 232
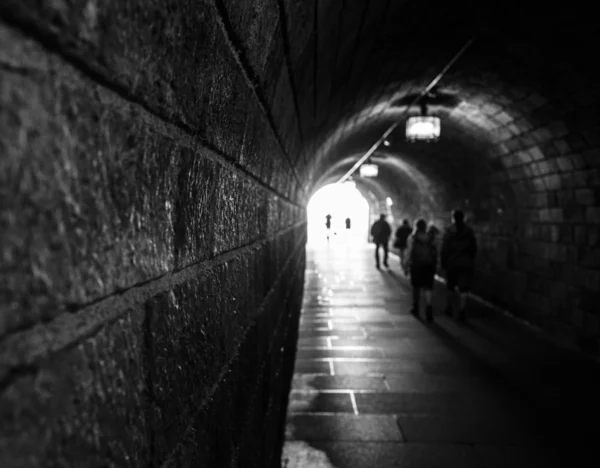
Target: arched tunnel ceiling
pixel 355 62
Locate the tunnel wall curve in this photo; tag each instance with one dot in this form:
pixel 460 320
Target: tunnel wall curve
pixel 152 237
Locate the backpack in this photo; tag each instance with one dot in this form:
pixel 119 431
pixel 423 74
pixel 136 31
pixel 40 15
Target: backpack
pixel 424 253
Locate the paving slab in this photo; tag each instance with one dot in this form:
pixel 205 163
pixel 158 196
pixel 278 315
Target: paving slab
pixel 423 383
pixel 313 341
pixel 374 366
pixel 322 454
pixel 312 366
pixel 468 429
pixel 343 427
pixel 339 382
pixel 339 352
pixel 414 402
pixel 508 456
pixel 320 402
pixel 313 333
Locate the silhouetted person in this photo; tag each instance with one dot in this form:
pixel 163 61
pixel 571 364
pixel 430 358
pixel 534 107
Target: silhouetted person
pixel 433 232
pixel 401 240
pixel 381 232
pixel 459 248
pixel 348 223
pixel 328 225
pixel 421 263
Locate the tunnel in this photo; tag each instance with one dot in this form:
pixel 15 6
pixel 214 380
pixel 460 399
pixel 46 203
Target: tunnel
pixel 157 158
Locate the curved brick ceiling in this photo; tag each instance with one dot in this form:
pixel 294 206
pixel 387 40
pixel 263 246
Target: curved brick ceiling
pixel 511 84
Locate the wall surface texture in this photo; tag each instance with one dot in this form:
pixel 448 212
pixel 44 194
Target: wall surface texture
pixel 156 157
pixel 152 238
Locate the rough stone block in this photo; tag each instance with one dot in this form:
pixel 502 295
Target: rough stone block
pixel 78 168
pixel 585 197
pixel 257 29
pixel 84 407
pixel 592 215
pixel 553 182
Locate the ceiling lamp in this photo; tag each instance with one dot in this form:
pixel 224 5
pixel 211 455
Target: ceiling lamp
pixel 423 127
pixel 369 170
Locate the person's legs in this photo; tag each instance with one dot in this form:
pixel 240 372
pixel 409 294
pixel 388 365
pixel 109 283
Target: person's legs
pixel 462 302
pixel 416 293
pixel 450 291
pixel 416 279
pixel 428 282
pixel 385 254
pixel 428 306
pixel 402 249
pixel 427 293
pixel 463 286
pixel 377 244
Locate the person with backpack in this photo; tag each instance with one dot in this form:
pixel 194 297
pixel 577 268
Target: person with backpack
pixel 421 263
pixel 459 249
pixel 381 232
pixel 401 238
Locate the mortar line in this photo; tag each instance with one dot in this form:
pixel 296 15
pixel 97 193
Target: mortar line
pixel 335 72
pixel 105 311
pixel 252 82
pixel 288 61
pixel 354 406
pixel 359 34
pixel 214 155
pixel 315 57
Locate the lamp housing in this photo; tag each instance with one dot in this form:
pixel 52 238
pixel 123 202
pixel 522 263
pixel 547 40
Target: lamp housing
pixel 423 128
pixel 369 170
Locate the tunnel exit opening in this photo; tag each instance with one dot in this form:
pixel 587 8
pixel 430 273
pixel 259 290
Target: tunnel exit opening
pixel 343 202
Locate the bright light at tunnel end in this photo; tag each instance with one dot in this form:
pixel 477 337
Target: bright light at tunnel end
pixel 344 203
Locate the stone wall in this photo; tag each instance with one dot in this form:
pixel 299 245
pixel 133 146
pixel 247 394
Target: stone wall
pixel 152 239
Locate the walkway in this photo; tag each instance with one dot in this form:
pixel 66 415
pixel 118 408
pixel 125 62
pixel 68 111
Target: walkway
pixel 375 387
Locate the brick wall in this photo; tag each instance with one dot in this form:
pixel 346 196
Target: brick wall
pixel 152 237
pixel 537 215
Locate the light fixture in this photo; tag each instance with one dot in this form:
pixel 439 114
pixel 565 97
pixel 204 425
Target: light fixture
pixel 386 143
pixel 369 170
pixel 389 201
pixel 423 127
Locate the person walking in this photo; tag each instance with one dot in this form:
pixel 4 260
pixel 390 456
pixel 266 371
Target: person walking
pixel 459 249
pixel 381 232
pixel 328 225
pixel 348 223
pixel 401 238
pixel 421 263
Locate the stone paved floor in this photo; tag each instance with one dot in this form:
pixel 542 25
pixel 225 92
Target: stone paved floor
pixel 376 387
